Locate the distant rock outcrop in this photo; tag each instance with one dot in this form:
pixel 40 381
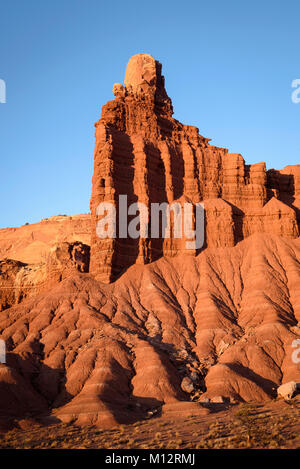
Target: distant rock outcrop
pixel 31 243
pixel 19 280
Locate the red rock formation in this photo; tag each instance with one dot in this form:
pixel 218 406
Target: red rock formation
pixel 103 354
pixel 218 325
pixel 143 152
pixel 19 280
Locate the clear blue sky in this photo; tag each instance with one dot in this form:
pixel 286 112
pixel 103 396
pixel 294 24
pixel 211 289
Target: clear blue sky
pixel 228 66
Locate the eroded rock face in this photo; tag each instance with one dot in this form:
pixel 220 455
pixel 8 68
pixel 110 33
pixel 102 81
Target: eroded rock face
pixel 105 354
pixel 143 77
pixel 143 152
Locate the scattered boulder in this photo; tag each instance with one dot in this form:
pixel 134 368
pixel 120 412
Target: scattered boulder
pixel 187 385
pixel 204 400
pixel 218 400
pixel 288 390
pixel 194 376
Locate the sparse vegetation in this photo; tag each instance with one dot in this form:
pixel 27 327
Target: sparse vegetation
pixel 275 425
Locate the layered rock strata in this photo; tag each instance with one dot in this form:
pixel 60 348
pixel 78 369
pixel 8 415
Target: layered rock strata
pixel 143 152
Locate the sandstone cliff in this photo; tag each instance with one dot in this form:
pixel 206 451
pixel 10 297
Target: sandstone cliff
pixel 143 152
